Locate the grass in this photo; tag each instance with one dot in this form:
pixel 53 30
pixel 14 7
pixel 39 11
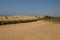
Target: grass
pixel 47 18
pixel 54 20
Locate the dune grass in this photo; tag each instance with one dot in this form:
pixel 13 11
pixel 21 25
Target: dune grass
pixel 16 21
pixel 54 20
pixel 46 18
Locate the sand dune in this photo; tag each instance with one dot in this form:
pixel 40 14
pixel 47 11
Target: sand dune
pixel 16 17
pixel 40 30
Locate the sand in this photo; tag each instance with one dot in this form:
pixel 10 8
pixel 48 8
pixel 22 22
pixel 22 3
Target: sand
pixel 39 30
pixel 3 18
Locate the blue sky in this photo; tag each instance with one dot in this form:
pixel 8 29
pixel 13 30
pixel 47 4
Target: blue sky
pixel 30 7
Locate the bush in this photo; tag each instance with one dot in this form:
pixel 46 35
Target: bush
pixel 16 21
pixel 47 17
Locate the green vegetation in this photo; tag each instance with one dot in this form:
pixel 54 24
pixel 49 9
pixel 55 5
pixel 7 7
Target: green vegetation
pixel 52 19
pixel 46 18
pixel 16 21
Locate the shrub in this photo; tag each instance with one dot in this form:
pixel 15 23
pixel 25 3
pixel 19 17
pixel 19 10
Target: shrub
pixel 47 17
pixel 16 21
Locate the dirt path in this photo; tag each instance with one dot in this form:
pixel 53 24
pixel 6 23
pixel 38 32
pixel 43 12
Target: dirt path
pixel 39 30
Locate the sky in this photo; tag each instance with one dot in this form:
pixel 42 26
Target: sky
pixel 30 7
